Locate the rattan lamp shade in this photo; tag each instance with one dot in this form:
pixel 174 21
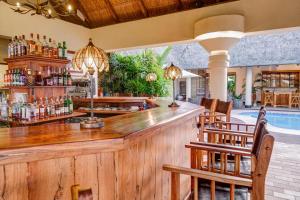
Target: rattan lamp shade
pixel 172 72
pixel 91 57
pixel 151 77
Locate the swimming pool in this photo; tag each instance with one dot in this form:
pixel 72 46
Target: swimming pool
pixel 281 120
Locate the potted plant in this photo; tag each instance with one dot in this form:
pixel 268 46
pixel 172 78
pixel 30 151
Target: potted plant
pixel 238 100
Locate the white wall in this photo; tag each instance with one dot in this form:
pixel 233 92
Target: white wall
pixel 259 15
pixel 12 23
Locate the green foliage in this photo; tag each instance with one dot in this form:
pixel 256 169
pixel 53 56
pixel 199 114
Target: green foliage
pixel 231 88
pixel 128 74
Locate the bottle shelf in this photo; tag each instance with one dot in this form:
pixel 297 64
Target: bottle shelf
pixel 32 87
pixel 37 58
pixel 45 120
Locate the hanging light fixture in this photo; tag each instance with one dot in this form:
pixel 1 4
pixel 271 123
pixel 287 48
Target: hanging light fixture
pixel 42 7
pixel 172 72
pixel 151 77
pixel 91 58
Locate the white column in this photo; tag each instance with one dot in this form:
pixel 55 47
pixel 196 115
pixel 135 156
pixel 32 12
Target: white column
pixel 188 91
pixel 248 96
pixel 217 68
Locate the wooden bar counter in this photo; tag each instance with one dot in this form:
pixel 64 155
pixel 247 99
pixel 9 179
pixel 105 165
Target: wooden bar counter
pixel 122 160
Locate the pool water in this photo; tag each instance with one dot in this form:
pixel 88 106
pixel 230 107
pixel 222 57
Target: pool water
pixel 281 120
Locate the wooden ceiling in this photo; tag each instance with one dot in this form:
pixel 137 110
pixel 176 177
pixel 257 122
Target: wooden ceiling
pixel 98 13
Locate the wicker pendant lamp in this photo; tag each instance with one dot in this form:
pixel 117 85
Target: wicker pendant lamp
pixel 91 58
pixel 173 72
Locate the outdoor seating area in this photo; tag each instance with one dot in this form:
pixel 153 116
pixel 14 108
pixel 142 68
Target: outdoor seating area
pixel 149 100
pixel 236 154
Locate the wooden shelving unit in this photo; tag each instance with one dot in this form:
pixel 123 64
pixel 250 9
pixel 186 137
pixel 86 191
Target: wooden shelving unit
pixel 42 121
pixel 281 79
pixel 36 63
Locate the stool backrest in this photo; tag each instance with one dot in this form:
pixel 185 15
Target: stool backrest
pixel 224 107
pixel 259 134
pixel 209 104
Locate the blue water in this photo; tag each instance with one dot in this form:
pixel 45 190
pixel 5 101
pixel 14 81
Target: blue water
pixel 288 121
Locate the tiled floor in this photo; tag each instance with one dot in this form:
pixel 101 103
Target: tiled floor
pixel 283 178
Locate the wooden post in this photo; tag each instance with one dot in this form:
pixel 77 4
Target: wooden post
pixel 232 190
pixel 213 190
pixel 195 188
pixel 175 186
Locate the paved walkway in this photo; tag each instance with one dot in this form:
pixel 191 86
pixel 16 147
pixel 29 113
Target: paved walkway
pixel 283 178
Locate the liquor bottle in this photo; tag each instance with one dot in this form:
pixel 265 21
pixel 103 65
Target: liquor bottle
pixel 69 78
pixel 47 108
pixel 20 46
pixel 38 46
pixel 30 78
pixel 9 49
pixel 23 79
pixel 31 45
pixel 13 78
pixel 4 109
pixel 16 77
pixel 28 112
pixel 23 111
pixel 65 77
pixel 52 106
pixel 61 106
pixel 36 109
pixel 50 50
pixel 60 50
pixel 64 50
pixel 13 110
pixel 48 80
pixel 38 78
pixel 57 107
pixel 42 109
pixel 70 103
pixel 8 78
pixel 16 46
pixel 66 106
pixel 54 78
pixel 54 49
pixel 24 46
pixel 5 78
pixel 60 78
pixel 45 46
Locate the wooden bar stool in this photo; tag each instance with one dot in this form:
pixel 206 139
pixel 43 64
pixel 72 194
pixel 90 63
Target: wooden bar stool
pixel 269 98
pixel 295 100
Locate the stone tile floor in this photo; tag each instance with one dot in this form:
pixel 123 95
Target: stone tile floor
pixel 283 178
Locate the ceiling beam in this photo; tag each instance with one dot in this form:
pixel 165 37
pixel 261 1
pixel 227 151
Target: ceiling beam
pixel 112 10
pixel 143 8
pixel 82 10
pixel 180 5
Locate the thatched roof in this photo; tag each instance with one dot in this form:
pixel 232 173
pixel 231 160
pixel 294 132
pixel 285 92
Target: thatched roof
pixel 267 49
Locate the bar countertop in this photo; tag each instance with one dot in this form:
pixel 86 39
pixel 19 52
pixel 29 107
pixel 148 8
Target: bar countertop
pixel 117 129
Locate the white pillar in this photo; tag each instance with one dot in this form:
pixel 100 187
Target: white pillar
pixel 188 91
pixel 217 66
pixel 217 34
pixel 248 96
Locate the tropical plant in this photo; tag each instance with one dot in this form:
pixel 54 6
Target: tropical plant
pixel 128 74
